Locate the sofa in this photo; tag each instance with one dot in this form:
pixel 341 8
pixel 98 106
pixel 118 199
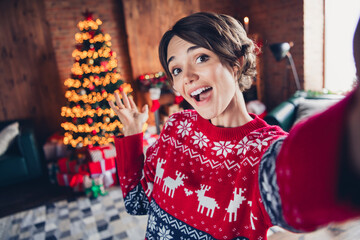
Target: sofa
pixel 22 159
pixel 299 107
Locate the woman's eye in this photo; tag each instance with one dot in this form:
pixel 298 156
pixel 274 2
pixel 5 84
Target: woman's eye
pixel 202 58
pixel 176 71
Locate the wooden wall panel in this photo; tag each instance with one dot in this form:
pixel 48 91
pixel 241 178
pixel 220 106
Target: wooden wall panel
pixel 146 22
pixel 29 83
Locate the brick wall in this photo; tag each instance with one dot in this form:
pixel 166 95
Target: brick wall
pixel 63 17
pixel 283 21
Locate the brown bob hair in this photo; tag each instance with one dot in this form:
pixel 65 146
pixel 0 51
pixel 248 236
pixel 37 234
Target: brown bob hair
pixel 219 33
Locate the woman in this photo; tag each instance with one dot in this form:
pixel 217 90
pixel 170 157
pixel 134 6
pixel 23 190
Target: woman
pixel 218 172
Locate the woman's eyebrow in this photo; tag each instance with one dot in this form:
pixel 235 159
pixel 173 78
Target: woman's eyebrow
pixel 188 50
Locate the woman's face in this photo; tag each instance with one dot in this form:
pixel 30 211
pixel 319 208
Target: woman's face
pixel 200 77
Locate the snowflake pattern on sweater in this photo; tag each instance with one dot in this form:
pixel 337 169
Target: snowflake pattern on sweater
pixel 198 180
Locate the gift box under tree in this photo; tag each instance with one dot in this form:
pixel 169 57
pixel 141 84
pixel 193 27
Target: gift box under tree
pixel 99 153
pixel 105 168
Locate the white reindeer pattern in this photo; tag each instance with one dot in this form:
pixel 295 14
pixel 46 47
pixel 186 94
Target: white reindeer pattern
pixel 234 204
pixel 159 171
pixel 172 184
pixel 206 202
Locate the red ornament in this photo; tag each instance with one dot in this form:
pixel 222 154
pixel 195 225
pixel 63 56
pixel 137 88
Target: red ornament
pixel 97 108
pixel 89 121
pixel 91 87
pixel 111 53
pixel 92 34
pixel 74 120
pixel 105 65
pixel 121 89
pixel 103 91
pixel 93 132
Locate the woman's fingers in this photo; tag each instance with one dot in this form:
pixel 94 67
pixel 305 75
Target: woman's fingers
pixel 132 103
pixel 113 107
pixel 145 109
pixel 118 101
pixel 125 100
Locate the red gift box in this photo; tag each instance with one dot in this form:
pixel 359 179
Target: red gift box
pixel 105 168
pixel 71 166
pixel 101 152
pixel 75 181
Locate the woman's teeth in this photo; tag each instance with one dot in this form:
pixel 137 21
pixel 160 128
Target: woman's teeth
pixel 196 94
pixel 198 91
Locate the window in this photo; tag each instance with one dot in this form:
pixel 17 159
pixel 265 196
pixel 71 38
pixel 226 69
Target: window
pixel 341 18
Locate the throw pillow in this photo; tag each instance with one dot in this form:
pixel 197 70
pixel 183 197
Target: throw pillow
pixel 7 135
pixel 309 107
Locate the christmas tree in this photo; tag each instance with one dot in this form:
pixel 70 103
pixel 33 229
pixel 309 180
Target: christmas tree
pixel 94 80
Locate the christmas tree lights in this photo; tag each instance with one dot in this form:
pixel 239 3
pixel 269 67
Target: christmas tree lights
pixel 93 82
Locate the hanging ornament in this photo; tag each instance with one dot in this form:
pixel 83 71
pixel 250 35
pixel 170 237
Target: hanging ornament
pixel 91 87
pixel 105 65
pixel 92 47
pixel 89 121
pixel 178 98
pixel 103 91
pixel 93 132
pixel 155 96
pixel 82 92
pixel 79 145
pixel 106 119
pixel 92 34
pixel 74 120
pixel 90 61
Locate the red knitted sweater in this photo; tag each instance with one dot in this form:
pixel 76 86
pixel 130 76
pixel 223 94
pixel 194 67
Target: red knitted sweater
pixel 199 181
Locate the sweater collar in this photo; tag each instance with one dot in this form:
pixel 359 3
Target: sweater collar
pixel 225 134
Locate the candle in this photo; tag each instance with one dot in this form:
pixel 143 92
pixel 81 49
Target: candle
pixel 246 23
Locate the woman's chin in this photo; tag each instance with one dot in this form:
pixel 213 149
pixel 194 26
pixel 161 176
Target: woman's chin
pixel 206 114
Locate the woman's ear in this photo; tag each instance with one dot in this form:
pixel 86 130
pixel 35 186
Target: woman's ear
pixel 237 68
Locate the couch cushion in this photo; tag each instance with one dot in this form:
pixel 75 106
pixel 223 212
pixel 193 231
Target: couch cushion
pixel 7 135
pixel 12 169
pixel 309 107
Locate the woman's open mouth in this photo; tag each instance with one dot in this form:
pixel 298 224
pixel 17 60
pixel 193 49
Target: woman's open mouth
pixel 201 94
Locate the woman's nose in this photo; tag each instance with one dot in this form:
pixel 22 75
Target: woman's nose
pixel 190 75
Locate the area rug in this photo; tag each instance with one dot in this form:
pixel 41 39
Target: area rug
pixel 82 218
pixel 105 218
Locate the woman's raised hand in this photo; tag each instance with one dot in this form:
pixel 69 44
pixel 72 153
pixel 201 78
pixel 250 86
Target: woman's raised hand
pixel 130 117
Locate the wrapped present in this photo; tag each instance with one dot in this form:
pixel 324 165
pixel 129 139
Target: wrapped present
pixel 66 165
pixel 99 153
pixel 94 186
pixel 75 181
pixel 105 168
pixel 54 148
